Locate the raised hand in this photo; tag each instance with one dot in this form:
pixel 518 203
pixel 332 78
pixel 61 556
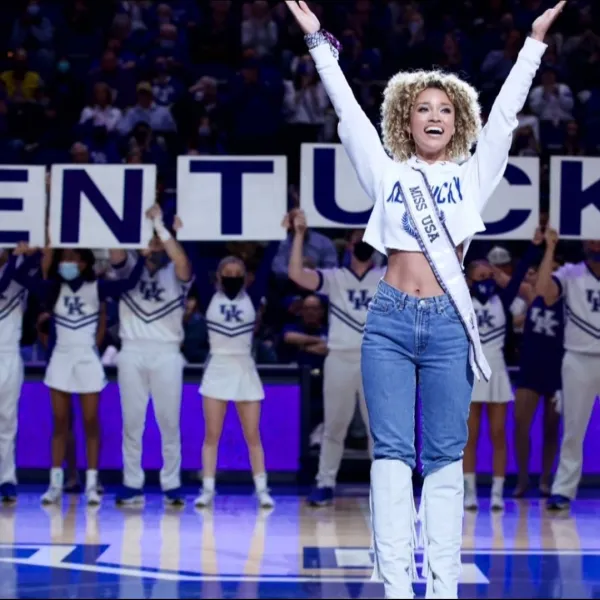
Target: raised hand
pixel 538 237
pixel 551 237
pixel 154 212
pixel 305 18
pixel 288 219
pixel 542 24
pixel 177 224
pixel 300 222
pixel 23 249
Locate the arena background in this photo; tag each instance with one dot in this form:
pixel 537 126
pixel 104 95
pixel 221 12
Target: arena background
pixel 187 78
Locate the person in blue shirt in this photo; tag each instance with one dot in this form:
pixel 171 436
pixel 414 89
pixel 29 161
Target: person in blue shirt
pixel 541 359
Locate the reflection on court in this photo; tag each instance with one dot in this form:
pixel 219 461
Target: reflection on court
pixel 238 551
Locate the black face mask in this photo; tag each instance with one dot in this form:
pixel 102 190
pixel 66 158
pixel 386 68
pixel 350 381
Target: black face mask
pixel 232 286
pixel 363 252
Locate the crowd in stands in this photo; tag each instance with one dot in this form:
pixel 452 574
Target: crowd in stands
pixel 143 81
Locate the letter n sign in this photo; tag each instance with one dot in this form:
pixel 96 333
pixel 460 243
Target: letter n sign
pixel 101 206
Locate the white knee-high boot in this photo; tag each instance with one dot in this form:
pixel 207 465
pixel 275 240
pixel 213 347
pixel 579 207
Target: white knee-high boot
pixel 441 516
pixel 393 520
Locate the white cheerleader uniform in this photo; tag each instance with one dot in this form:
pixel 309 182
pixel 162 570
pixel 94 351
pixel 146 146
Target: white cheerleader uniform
pixel 491 318
pixel 75 366
pixel 492 321
pixel 13 299
pixel 230 372
pixel 150 365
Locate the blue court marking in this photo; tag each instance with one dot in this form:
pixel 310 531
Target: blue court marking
pixel 481 567
pixel 346 559
pixel 17 552
pixel 71 571
pixel 84 558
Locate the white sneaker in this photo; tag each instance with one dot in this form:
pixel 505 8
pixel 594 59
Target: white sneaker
pixel 393 518
pixel 205 499
pixel 265 499
pixel 52 496
pixel 92 496
pixel 441 517
pixel 470 497
pixel 497 495
pixel 497 501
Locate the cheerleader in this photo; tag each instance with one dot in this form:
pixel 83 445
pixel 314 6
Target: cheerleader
pixel 492 297
pixel 150 364
pixel 47 338
pixel 541 358
pixel 579 286
pixel 12 305
pixel 349 291
pixel 230 374
pixel 74 295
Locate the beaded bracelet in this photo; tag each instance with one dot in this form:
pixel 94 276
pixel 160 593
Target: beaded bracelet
pixel 323 37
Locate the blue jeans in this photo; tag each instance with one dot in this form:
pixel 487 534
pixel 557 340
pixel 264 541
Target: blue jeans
pixel 408 339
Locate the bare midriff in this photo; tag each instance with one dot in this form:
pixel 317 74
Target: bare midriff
pixel 411 273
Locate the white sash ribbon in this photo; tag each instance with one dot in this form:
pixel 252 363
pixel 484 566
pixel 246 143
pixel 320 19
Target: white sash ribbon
pixel 438 247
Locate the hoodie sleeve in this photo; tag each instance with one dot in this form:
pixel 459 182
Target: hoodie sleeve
pixel 485 169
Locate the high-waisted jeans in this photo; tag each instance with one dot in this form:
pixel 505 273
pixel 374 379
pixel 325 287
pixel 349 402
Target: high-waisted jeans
pixel 409 340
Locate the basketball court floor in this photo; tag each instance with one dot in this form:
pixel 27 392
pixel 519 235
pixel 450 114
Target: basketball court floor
pixel 236 550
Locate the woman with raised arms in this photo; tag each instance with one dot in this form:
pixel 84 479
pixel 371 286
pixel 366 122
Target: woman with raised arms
pixel 428 194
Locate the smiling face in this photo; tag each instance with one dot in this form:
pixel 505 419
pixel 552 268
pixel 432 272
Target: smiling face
pixel 414 101
pixel 432 124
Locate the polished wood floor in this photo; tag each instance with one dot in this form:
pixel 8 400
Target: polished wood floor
pixel 236 550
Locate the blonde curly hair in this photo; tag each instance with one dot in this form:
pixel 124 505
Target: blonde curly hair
pixel 399 98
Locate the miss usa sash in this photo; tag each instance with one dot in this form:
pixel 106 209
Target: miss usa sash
pixel 437 245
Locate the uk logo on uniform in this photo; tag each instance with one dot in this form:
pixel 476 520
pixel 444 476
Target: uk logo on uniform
pixel 150 290
pixel 544 321
pixel 359 298
pixel 593 297
pixel 74 305
pixel 484 318
pixel 231 313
